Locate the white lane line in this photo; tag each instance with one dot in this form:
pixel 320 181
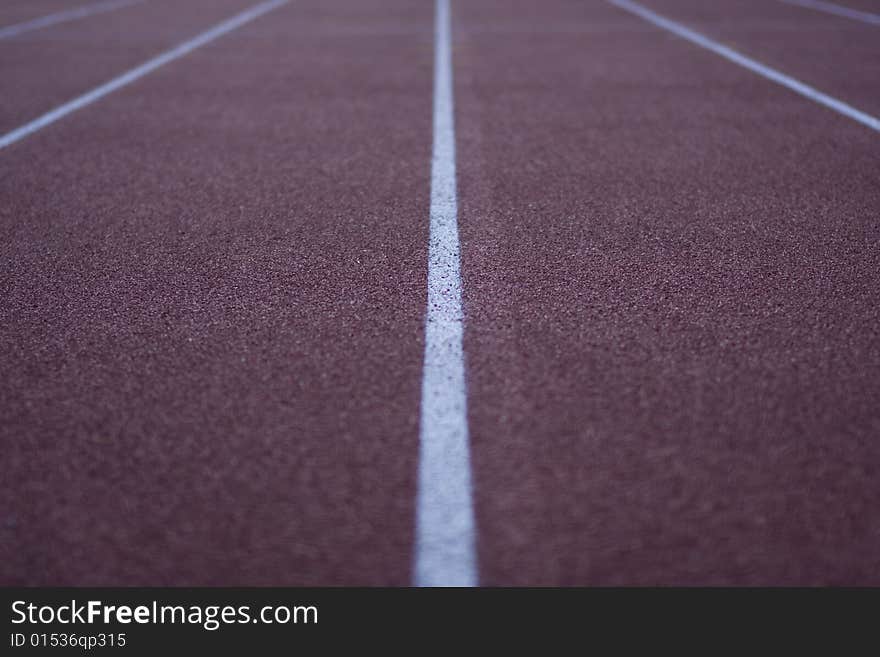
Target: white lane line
pixel 139 72
pixel 837 10
pixel 65 16
pixel 445 549
pixel 746 62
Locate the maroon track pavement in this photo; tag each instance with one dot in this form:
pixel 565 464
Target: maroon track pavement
pixel 671 277
pixel 212 318
pixel 42 69
pixel 871 6
pixel 19 11
pixel 213 287
pixel 835 54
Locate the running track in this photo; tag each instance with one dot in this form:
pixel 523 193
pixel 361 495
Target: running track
pixel 365 292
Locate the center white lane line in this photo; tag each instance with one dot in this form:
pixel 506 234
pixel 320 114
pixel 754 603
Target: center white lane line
pixel 747 62
pixel 445 549
pixel 65 16
pixel 837 10
pixel 139 72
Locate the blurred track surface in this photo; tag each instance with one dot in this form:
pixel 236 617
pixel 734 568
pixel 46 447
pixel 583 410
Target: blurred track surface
pixel 214 281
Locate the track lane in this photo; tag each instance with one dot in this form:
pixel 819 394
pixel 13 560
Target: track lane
pixel 734 56
pixel 133 75
pixel 42 69
pixel 214 287
pixel 837 10
pixel 670 282
pixel 24 10
pixel 215 293
pixel 838 56
pixel 65 16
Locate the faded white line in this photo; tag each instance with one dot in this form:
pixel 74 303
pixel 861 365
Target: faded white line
pixel 65 16
pixel 837 10
pixel 445 549
pixel 139 72
pixel 749 63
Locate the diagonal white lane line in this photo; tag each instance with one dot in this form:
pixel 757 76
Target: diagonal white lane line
pixel 747 62
pixel 139 72
pixel 65 16
pixel 445 549
pixel 837 10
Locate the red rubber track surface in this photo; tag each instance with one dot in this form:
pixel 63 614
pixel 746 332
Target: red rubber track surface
pixel 213 286
pixel 19 11
pixel 834 54
pixel 671 280
pixel 44 68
